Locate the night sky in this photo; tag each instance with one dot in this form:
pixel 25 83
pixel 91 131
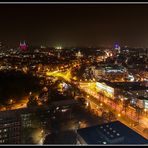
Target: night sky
pixel 75 25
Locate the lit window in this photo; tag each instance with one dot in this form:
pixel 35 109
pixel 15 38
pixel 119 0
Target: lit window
pixel 104 142
pixel 5 130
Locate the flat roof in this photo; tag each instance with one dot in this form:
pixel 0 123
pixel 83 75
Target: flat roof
pixel 133 86
pixel 111 133
pixel 14 113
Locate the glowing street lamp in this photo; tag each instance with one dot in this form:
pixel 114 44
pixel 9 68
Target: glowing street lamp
pixel 121 99
pixel 11 101
pixel 87 104
pixel 87 96
pixel 119 115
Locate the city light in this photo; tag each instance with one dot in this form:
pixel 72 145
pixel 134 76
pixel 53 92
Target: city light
pixel 65 80
pixel 59 47
pixel 119 115
pixel 87 104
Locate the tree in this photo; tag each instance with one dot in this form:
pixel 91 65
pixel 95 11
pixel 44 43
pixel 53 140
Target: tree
pixel 138 112
pixel 126 104
pixel 111 116
pixel 32 101
pixel 116 101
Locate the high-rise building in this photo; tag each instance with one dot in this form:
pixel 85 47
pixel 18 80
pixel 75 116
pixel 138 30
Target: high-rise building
pixel 10 128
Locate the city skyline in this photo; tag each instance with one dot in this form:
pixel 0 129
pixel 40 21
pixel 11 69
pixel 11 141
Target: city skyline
pixel 73 74
pixel 74 25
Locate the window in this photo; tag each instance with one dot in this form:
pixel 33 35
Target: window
pixel 114 131
pixel 5 130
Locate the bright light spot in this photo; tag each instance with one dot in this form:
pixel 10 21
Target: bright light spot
pixel 87 104
pixel 64 110
pixel 42 131
pixel 58 47
pixel 119 115
pixel 104 142
pixel 57 108
pixel 66 75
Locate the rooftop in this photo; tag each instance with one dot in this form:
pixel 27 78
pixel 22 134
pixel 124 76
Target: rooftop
pixel 128 86
pixel 111 133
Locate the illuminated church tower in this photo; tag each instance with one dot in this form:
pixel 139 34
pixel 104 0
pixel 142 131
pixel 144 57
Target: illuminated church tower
pixel 23 46
pixel 117 47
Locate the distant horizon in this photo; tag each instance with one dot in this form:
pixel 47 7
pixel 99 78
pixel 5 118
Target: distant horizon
pixel 75 25
pixel 69 46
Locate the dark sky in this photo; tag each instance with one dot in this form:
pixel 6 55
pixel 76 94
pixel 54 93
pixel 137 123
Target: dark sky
pixel 75 25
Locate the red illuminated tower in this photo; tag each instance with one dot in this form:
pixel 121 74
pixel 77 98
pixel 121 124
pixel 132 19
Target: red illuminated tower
pixel 23 46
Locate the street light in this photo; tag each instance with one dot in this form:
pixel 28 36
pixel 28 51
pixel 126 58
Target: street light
pixel 119 115
pixel 11 101
pixel 87 104
pixel 121 99
pixel 87 96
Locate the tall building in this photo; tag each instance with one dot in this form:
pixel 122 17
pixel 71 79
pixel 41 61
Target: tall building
pixel 10 128
pixel 117 47
pixel 23 46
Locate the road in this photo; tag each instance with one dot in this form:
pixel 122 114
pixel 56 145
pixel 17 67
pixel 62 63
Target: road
pixel 117 108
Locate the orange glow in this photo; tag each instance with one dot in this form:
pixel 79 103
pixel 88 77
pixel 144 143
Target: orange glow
pixel 119 115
